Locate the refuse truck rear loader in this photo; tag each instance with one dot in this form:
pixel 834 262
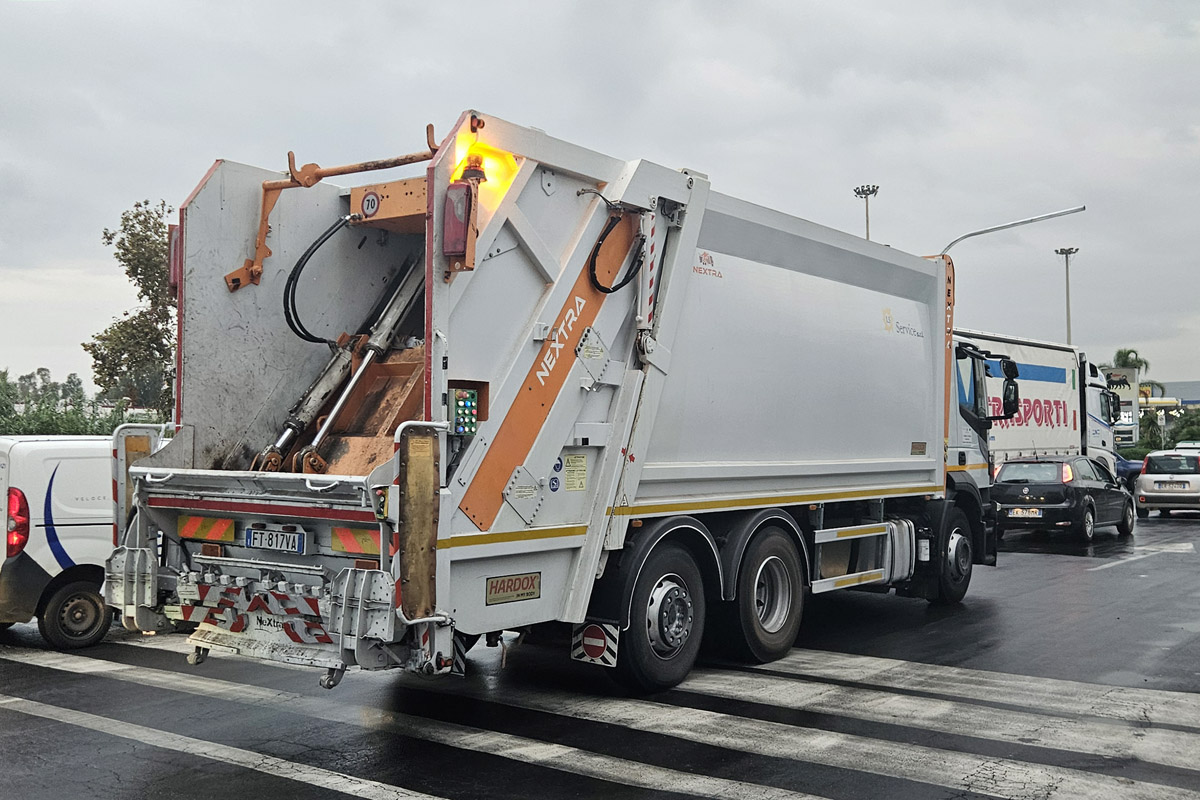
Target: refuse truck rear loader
pixel 537 384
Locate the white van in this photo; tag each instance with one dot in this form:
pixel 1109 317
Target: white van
pixel 60 531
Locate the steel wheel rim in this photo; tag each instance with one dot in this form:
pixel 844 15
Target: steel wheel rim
pixel 958 556
pixel 669 616
pixel 79 616
pixel 772 594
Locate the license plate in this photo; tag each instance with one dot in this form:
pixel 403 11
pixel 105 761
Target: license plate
pixel 1170 485
pixel 275 540
pixel 1025 512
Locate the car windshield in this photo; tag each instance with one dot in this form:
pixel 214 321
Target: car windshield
pixel 1039 472
pixel 1173 464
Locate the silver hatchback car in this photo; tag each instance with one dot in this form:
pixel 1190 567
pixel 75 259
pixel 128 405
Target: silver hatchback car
pixel 1170 481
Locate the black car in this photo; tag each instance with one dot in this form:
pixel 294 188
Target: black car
pixel 1072 492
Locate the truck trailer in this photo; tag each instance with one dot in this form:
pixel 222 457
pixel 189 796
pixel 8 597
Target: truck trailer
pixel 1066 406
pixel 535 384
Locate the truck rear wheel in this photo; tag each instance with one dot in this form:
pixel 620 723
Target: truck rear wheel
pixel 770 597
pixel 666 622
pixel 955 571
pixel 75 616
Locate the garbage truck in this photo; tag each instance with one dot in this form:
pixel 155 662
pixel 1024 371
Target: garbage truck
pixel 532 385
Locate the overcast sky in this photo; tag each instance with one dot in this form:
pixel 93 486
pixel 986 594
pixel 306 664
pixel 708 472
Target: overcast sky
pixel 966 115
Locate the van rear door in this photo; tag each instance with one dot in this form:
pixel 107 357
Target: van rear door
pixel 67 483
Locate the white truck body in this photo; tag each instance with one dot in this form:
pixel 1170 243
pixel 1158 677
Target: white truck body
pixel 60 531
pixel 1066 406
pixel 693 410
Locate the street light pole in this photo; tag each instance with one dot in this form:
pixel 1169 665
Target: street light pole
pixel 1066 253
pixel 866 192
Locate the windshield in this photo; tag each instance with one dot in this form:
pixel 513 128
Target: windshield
pixel 1173 465
pixel 1040 472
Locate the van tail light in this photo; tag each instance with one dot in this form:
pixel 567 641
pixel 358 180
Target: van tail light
pixel 1145 465
pixel 18 522
pixel 1068 474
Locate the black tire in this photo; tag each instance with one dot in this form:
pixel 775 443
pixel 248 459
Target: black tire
pixel 1086 528
pixel 1165 512
pixel 1000 531
pixel 1142 513
pixel 1128 520
pixel 6 625
pixel 770 598
pixel 954 569
pixel 666 622
pixel 75 616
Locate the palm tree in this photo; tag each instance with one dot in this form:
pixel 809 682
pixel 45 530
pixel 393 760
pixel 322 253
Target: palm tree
pixel 1129 358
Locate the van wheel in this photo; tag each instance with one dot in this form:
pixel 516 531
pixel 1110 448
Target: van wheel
pixel 770 597
pixel 75 616
pixel 666 622
pixel 955 574
pixel 1142 513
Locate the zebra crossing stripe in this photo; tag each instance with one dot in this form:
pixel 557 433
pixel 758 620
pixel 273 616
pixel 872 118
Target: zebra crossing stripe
pixel 259 762
pixel 517 748
pixel 1112 739
pixel 959 771
pixel 1143 706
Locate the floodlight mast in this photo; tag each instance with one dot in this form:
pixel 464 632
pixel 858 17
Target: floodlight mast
pixel 1008 225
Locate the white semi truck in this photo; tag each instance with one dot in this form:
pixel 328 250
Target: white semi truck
pixel 537 384
pixel 1066 406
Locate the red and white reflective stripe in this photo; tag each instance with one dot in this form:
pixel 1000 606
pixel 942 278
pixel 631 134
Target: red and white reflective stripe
pixel 305 632
pixel 649 229
pixel 193 613
pixel 226 618
pixel 274 603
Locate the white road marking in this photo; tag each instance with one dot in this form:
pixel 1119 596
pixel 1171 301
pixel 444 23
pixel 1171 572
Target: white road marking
pixel 1111 739
pixel 1144 706
pixel 519 748
pixel 1146 551
pixel 303 773
pixel 1001 777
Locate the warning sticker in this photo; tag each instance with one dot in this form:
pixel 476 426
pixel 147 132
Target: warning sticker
pixel 511 588
pixel 591 352
pixel 420 445
pixel 575 473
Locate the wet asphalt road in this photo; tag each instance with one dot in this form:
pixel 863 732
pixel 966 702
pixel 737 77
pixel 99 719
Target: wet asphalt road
pixel 1070 671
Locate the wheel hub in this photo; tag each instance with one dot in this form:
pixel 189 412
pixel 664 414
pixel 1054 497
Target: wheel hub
pixel 772 594
pixel 958 556
pixel 79 615
pixel 669 616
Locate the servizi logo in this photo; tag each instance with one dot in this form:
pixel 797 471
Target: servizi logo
pixel 893 325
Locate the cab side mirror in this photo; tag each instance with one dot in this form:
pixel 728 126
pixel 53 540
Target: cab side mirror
pixel 1009 368
pixel 1012 398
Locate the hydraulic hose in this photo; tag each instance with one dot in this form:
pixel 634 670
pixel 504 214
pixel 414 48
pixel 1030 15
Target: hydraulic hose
pixel 289 290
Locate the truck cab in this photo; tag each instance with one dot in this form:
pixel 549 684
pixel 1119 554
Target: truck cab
pixel 969 464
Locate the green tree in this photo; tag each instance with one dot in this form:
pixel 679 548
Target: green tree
pixel 133 358
pixel 1186 428
pixel 51 408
